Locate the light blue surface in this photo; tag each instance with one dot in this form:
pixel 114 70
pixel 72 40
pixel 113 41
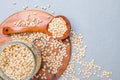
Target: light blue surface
pixel 97 20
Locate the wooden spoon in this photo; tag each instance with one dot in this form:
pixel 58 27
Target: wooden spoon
pixel 12 30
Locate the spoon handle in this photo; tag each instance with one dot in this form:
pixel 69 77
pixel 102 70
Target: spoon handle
pixel 13 30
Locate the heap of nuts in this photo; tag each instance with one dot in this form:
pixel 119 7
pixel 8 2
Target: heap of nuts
pixel 57 27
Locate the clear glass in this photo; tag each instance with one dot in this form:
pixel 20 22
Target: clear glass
pixel 37 60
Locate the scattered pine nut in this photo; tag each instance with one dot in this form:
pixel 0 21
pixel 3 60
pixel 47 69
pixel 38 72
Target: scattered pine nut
pixel 48 17
pixel 44 7
pixel 53 12
pixel 14 3
pixel 48 5
pixel 25 7
pixel 35 6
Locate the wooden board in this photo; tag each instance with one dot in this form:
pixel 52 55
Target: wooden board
pixel 44 16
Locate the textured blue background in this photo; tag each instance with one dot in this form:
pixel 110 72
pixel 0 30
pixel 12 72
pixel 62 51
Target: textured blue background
pixel 97 20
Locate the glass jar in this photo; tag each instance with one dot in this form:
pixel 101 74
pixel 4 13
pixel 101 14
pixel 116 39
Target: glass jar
pixel 36 57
